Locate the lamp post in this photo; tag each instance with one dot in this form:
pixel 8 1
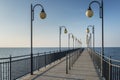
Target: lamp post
pixel 93 34
pixel 89 13
pixel 73 41
pixel 60 30
pixel 76 42
pixel 87 31
pixel 70 34
pixel 42 16
pixel 80 43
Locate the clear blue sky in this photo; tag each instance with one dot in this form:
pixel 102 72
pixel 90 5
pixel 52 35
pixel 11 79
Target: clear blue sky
pixel 15 22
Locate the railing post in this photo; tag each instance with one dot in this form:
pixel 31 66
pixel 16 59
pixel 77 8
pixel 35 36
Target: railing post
pixel 93 52
pixel 54 56
pixel 70 61
pixel 38 62
pixel 110 71
pixel 66 62
pixel 45 59
pixel 10 67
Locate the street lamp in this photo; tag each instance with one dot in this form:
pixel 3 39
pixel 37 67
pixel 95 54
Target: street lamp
pixel 89 13
pixel 87 31
pixel 76 42
pixel 88 38
pixel 70 34
pixel 60 30
pixel 42 16
pixel 92 33
pixel 80 43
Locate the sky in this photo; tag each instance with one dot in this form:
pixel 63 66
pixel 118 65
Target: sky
pixel 15 22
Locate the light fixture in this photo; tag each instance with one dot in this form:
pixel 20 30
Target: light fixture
pixel 87 30
pixel 43 14
pixel 65 31
pixel 89 12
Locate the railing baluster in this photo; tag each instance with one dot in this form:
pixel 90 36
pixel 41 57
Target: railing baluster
pixel 45 58
pixel 110 68
pixel 10 67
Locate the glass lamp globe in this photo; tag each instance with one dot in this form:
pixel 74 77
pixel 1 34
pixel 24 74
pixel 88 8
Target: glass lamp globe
pixel 43 14
pixel 65 31
pixel 87 30
pixel 89 13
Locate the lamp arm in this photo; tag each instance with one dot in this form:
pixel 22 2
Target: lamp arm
pixel 38 5
pixel 32 9
pixel 61 28
pixel 100 7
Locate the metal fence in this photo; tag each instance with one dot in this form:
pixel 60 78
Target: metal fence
pixel 74 56
pixel 15 67
pixel 111 67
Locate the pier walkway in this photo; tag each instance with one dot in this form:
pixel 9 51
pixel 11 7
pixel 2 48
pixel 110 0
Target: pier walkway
pixel 83 69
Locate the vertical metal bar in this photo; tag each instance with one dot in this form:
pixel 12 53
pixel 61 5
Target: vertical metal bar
pixel 115 73
pixel 38 61
pixel 73 42
pixel 6 70
pixel 119 72
pixel 45 59
pixel 66 62
pixel 109 68
pixel 10 67
pixel 102 36
pixel 59 39
pixel 31 41
pixel 54 57
pixel 1 71
pixel 69 49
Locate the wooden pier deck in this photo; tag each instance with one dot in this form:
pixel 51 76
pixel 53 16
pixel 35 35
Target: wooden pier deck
pixel 83 69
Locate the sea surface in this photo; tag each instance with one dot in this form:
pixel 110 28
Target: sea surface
pixel 114 52
pixel 6 52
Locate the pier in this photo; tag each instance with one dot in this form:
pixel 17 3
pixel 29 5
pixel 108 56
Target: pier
pixel 75 64
pixel 83 69
pixel 58 54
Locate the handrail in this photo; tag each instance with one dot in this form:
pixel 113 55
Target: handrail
pixel 111 67
pixel 108 58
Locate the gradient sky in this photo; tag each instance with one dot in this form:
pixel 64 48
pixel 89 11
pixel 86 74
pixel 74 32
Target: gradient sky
pixel 15 22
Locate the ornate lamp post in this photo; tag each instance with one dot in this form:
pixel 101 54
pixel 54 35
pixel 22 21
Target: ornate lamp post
pixel 92 33
pixel 70 34
pixel 42 16
pixel 87 31
pixel 60 30
pixel 89 13
pixel 80 43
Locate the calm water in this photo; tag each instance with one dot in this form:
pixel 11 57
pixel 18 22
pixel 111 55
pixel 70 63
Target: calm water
pixel 114 52
pixel 6 52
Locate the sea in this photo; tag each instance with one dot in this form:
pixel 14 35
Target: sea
pixel 114 52
pixel 7 52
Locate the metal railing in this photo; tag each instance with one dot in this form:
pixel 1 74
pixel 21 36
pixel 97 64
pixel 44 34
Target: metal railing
pixel 74 56
pixel 12 68
pixel 111 67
